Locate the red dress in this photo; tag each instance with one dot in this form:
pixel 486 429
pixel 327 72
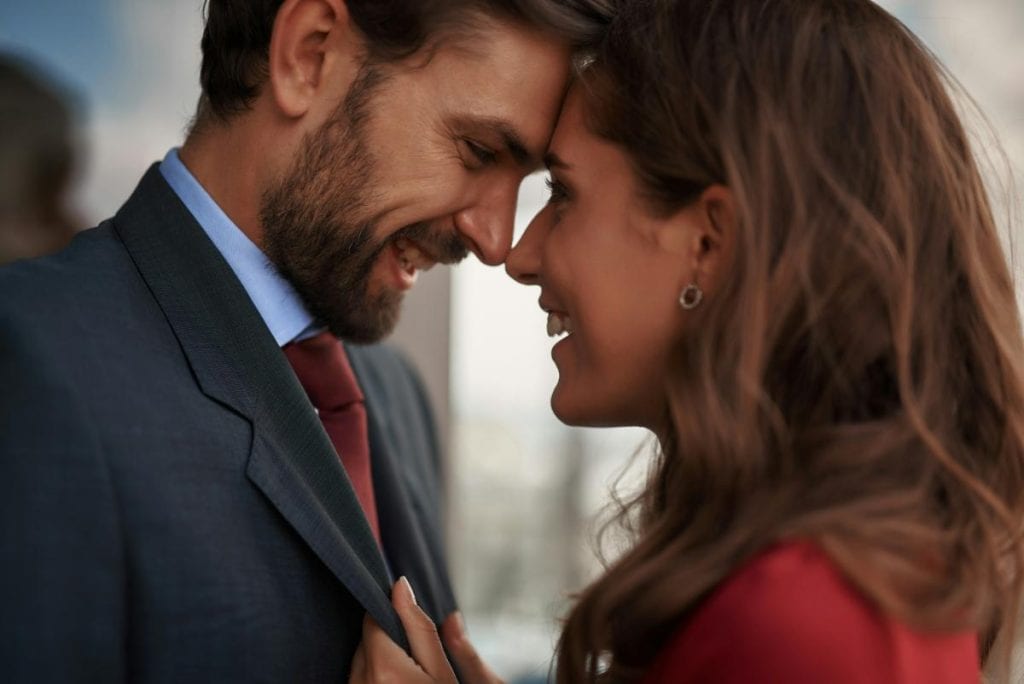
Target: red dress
pixel 790 616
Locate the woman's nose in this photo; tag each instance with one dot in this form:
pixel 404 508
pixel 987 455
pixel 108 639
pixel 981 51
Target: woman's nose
pixel 523 263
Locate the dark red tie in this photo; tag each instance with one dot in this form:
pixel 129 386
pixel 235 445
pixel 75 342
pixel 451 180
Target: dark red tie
pixel 323 369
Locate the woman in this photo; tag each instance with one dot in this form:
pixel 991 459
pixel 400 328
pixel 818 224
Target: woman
pixel 768 242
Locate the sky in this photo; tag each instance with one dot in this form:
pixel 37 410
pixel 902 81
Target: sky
pixel 134 67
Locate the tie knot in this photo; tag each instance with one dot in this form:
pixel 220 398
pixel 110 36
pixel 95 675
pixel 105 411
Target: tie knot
pixel 323 369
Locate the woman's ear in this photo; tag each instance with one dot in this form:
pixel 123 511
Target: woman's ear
pixel 702 235
pixel 312 41
pixel 717 217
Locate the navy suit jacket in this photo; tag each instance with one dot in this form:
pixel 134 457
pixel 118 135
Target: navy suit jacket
pixel 172 509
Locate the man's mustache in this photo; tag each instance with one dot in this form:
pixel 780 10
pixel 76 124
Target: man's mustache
pixel 441 245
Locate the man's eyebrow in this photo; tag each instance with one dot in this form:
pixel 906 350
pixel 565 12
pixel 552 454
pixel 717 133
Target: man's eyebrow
pixel 512 140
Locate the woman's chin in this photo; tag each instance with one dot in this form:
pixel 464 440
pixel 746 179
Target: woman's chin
pixel 575 410
pixel 565 409
pixel 562 415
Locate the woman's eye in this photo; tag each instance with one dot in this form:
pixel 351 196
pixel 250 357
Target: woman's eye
pixel 559 193
pixel 482 154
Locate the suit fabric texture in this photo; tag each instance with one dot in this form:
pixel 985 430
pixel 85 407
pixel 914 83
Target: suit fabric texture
pixel 172 509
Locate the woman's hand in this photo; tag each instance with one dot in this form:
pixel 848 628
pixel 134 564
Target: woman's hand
pixel 380 660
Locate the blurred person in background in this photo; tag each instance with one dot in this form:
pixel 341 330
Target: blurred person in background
pixel 200 482
pixel 37 162
pixel 769 243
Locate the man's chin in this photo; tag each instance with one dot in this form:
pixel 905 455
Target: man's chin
pixel 374 322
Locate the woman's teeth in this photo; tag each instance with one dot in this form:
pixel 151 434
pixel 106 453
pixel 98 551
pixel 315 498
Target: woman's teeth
pixel 558 324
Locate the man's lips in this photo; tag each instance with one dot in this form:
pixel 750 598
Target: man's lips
pixel 434 243
pixel 419 248
pixel 414 256
pixel 409 256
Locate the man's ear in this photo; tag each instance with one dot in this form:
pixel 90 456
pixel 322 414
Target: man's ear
pixel 703 234
pixel 314 49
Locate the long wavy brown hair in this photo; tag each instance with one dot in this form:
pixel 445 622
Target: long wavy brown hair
pixel 857 378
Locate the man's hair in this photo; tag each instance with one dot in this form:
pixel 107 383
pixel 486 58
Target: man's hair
pixel 236 39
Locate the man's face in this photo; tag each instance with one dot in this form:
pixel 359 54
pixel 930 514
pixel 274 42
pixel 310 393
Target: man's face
pixel 419 165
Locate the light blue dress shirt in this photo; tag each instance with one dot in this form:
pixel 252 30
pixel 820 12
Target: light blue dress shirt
pixel 276 300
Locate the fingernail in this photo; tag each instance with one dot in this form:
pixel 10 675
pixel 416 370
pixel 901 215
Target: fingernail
pixel 408 588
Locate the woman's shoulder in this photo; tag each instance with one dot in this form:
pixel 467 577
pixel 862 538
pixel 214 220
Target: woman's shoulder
pixel 789 614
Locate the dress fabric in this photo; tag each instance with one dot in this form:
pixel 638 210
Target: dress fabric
pixel 790 616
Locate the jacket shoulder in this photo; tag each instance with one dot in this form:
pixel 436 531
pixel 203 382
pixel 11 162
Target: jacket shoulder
pixel 92 270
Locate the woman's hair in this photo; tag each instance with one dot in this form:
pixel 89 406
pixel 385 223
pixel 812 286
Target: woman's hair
pixel 856 379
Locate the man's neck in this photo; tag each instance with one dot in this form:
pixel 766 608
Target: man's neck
pixel 232 161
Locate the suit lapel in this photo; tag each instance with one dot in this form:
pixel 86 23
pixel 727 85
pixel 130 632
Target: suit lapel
pixel 237 363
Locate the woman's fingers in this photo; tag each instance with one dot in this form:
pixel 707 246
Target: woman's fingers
pixel 423 639
pixel 379 659
pixel 357 672
pixel 472 668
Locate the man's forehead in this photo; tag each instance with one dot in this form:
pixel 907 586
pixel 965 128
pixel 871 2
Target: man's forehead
pixel 507 81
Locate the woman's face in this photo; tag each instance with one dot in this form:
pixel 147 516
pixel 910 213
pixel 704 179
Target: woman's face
pixel 610 276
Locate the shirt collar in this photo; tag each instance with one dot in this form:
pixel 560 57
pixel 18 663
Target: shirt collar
pixel 275 299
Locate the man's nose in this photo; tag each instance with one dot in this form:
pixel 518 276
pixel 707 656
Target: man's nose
pixel 487 225
pixel 523 263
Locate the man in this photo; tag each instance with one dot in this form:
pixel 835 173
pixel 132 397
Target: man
pixel 186 495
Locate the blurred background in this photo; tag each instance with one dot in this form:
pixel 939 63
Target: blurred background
pixel 524 490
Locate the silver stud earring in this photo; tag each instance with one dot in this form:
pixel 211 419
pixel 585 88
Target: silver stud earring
pixel 691 297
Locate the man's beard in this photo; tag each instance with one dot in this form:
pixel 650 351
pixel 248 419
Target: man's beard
pixel 316 232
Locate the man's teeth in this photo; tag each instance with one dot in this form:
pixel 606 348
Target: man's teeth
pixel 558 324
pixel 411 257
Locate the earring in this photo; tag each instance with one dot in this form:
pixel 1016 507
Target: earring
pixel 691 297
